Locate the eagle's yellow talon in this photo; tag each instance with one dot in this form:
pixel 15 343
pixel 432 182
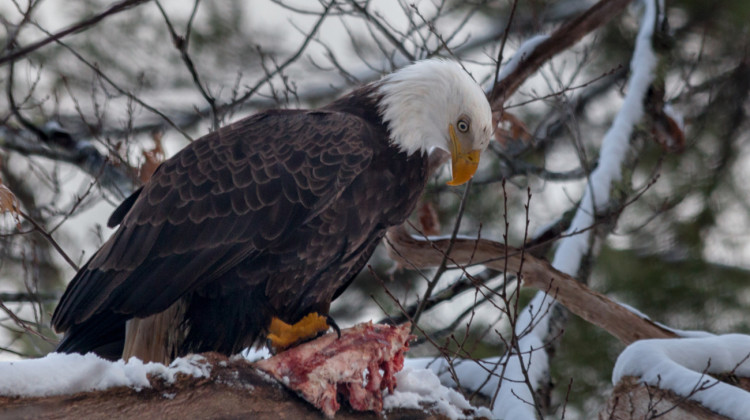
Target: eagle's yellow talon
pixel 282 335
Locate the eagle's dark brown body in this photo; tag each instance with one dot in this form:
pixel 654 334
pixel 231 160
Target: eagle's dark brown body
pixel 273 215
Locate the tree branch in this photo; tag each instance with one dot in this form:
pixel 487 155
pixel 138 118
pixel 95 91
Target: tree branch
pixel 536 273
pixel 560 40
pixel 115 179
pixel 78 27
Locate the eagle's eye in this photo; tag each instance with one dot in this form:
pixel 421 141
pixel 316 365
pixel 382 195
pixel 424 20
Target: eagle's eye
pixel 462 125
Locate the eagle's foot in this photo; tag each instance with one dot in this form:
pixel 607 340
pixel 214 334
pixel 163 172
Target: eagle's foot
pixel 282 335
pixel 334 325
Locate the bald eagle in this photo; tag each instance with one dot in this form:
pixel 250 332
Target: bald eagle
pixel 252 230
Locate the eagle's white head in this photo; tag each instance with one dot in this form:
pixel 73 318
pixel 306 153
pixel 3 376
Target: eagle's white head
pixel 435 103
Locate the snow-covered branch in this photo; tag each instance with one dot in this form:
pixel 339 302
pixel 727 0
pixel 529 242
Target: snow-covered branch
pixel 532 326
pixel 543 48
pixel 528 360
pixel 683 366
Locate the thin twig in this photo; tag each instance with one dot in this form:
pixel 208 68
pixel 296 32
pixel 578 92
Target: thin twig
pixel 283 66
pixel 383 30
pixel 441 269
pixel 560 40
pixel 75 28
pixel 49 237
pixel 181 43
pixel 506 32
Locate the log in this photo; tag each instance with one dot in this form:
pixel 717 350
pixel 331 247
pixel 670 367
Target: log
pixel 631 400
pixel 235 389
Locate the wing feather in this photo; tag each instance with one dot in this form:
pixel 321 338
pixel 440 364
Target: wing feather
pixel 222 200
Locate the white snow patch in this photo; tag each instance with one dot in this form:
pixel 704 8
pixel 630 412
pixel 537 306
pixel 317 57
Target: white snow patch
pixel 475 375
pixel 514 395
pixel 253 354
pixel 614 147
pixel 682 364
pixel 60 374
pixel 675 115
pixel 681 333
pixel 420 388
pixel 521 54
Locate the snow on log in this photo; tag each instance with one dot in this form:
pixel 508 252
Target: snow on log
pixel 684 366
pixel 360 367
pixel 350 366
pixel 634 400
pixel 60 374
pixel 420 387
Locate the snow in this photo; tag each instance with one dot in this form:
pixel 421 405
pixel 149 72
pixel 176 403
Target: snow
pixel 60 374
pixel 676 116
pixel 532 325
pixel 473 374
pixel 514 395
pixel 682 365
pixel 679 365
pixel 523 51
pixel 253 354
pixel 681 333
pixel 614 148
pixel 420 388
pixel 65 374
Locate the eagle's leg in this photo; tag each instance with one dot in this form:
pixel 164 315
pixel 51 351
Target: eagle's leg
pixel 282 335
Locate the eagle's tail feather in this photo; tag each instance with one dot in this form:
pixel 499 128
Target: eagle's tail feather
pixel 101 334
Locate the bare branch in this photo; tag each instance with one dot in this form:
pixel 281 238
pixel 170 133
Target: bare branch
pixel 250 92
pixel 560 40
pixel 181 43
pixel 383 30
pixel 539 274
pixel 75 28
pixel 115 179
pixel 29 297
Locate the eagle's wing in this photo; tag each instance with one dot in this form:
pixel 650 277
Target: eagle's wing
pixel 219 201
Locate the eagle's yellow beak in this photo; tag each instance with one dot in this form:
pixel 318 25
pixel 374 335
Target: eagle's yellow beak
pixel 464 164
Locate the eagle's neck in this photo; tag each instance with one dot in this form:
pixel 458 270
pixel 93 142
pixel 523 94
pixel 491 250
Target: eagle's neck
pixel 406 118
pixel 362 102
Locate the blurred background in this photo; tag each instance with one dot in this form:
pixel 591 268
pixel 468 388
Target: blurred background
pixel 86 118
